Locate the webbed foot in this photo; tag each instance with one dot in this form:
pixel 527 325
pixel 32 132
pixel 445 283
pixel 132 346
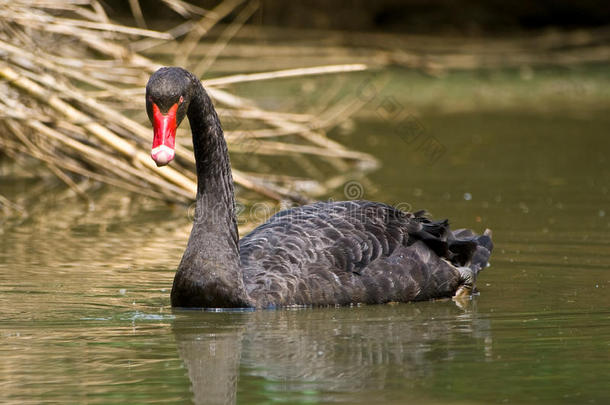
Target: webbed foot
pixel 467 278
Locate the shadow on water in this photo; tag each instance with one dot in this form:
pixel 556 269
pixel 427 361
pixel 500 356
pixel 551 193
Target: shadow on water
pixel 325 355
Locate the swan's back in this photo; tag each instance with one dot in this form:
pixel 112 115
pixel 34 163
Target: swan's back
pixel 355 251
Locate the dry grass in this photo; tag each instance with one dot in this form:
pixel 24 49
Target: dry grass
pixel 70 78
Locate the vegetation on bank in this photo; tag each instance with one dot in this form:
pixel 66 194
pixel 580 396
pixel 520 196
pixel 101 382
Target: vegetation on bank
pixel 73 98
pixel 73 79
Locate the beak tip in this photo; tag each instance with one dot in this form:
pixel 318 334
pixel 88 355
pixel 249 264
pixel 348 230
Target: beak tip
pixel 163 156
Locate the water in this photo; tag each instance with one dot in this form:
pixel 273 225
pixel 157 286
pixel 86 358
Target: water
pixel 84 294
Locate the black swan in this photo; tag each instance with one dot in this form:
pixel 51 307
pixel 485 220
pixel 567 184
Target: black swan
pixel 327 253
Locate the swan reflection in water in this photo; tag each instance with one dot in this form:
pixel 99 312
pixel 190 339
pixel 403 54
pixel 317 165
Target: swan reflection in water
pixel 335 351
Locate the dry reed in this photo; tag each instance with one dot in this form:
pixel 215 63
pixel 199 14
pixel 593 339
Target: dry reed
pixel 70 78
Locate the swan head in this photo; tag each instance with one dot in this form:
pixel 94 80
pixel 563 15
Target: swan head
pixel 168 95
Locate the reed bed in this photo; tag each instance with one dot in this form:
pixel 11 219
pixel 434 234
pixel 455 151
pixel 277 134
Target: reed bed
pixel 72 83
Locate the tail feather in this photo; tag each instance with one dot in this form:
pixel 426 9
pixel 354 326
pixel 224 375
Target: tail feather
pixel 462 247
pixel 483 246
pixel 462 251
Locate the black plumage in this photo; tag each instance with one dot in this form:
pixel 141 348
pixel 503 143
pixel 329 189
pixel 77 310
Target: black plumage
pixel 326 253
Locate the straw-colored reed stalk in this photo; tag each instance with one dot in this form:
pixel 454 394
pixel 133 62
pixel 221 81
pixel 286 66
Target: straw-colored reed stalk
pixel 70 78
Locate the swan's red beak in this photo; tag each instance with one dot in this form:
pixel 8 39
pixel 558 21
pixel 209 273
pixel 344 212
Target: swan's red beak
pixel 164 139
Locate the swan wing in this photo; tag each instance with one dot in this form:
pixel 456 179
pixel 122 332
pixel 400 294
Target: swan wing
pixel 349 252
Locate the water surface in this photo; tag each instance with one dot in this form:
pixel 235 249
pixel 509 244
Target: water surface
pixel 84 294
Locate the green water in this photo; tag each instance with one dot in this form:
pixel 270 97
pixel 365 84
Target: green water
pixel 84 293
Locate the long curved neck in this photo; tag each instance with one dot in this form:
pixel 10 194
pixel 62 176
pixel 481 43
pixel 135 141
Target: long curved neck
pixel 215 212
pixel 209 274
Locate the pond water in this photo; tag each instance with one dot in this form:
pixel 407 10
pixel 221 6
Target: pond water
pixel 84 294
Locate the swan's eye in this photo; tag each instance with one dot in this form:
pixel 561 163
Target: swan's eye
pixel 181 100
